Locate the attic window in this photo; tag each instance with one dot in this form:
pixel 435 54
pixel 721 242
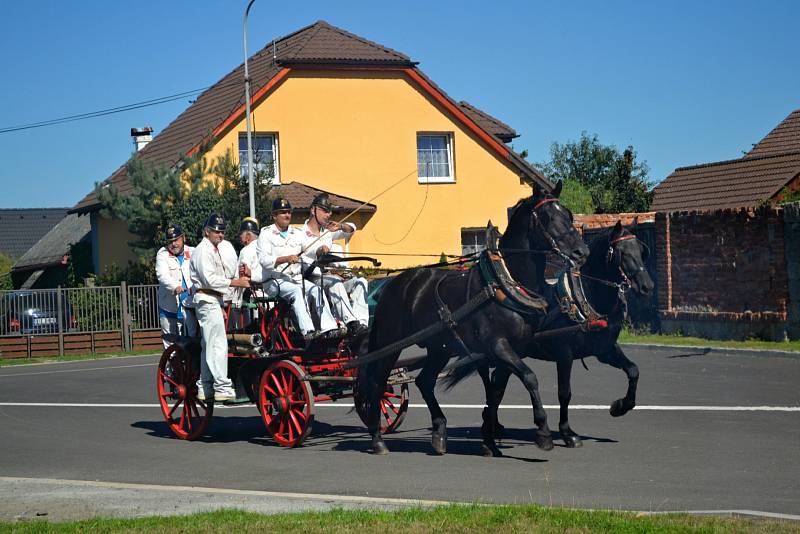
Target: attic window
pixel 265 156
pixel 435 158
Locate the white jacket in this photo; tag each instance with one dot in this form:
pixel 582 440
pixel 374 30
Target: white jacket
pixel 170 276
pixel 311 242
pixel 271 245
pixel 211 268
pixel 249 256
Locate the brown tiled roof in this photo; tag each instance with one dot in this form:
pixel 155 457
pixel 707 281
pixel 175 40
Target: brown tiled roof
pixel 319 43
pixel 782 139
pixel 300 196
pixel 726 184
pixel 492 125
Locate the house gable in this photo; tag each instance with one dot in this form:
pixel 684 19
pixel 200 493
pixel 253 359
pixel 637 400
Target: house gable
pixel 221 106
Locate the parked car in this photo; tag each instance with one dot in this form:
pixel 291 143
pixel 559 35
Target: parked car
pixel 34 312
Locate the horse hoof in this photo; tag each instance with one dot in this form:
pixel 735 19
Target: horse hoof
pixel 490 450
pixel 573 442
pixel 379 448
pixel 544 442
pixel 439 444
pixel 619 408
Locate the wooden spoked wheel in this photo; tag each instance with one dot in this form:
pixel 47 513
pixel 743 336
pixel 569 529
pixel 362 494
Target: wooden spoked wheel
pixel 286 403
pixel 393 408
pixel 186 415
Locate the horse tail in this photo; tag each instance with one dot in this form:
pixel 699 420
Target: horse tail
pixel 463 368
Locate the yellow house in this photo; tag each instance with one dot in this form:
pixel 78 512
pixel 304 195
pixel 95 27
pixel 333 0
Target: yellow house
pixel 335 112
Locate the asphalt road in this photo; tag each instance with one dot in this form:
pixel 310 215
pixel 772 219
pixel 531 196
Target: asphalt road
pixel 711 432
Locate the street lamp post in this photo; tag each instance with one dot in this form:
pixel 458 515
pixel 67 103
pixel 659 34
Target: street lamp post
pixel 250 179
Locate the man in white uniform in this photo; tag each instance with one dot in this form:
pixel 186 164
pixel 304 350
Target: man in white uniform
pixel 212 277
pixel 278 248
pixel 175 314
pixel 319 233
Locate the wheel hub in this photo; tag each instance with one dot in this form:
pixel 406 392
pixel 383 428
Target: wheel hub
pixel 280 405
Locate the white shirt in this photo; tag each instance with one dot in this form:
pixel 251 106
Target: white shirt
pixel 271 245
pixel 249 256
pixel 311 242
pixel 170 274
pixel 211 268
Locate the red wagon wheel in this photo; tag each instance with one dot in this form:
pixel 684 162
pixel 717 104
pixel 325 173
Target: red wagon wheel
pixel 186 415
pixel 393 408
pixel 286 403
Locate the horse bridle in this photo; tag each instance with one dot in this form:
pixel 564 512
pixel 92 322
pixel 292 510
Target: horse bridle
pixel 547 235
pixel 612 250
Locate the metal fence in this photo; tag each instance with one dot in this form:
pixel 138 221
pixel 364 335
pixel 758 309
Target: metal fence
pixel 72 320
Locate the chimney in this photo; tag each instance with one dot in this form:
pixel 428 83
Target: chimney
pixel 141 136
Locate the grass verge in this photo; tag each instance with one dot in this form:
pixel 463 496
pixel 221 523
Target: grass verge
pixel 74 357
pixel 660 339
pixel 442 520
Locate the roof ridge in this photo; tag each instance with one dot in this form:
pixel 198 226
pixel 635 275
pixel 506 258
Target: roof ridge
pixel 365 40
pixel 316 27
pixel 742 159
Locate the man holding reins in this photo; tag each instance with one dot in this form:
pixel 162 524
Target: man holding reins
pixel 278 248
pixel 319 233
pixel 175 313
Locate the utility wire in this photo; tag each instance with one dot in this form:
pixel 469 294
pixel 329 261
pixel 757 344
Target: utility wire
pixel 109 111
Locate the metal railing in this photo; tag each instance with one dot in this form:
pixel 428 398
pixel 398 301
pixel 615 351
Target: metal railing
pixel 69 312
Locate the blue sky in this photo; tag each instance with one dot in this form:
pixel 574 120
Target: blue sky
pixel 683 82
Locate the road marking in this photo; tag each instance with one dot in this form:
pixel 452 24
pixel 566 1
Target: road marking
pixel 154 364
pixel 350 499
pixel 601 407
pixel 228 491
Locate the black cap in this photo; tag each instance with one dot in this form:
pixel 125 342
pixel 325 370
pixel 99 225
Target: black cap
pixel 249 224
pixel 217 222
pixel 323 201
pixel 280 204
pixel 172 233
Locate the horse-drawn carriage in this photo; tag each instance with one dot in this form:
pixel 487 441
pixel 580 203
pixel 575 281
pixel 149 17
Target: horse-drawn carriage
pixel 271 366
pixel 490 315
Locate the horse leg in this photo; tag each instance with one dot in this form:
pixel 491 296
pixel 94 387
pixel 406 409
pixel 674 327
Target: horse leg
pixel 426 382
pixel 564 367
pixel 375 387
pixel 617 359
pixel 506 355
pixel 491 428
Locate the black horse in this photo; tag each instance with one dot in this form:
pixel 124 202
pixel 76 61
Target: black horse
pixel 421 297
pixel 616 261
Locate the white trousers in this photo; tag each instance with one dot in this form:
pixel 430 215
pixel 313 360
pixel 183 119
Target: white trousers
pixel 292 292
pixel 356 288
pixel 178 327
pixel 214 357
pixel 342 302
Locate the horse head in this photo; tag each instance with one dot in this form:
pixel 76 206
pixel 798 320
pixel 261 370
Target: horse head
pixel 551 227
pixel 627 256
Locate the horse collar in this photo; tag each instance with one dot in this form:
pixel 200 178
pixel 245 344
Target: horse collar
pixel 509 293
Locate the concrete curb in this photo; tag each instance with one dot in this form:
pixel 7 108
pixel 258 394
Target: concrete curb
pixel 760 353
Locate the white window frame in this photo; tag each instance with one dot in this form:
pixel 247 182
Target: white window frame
pixel 450 160
pixel 475 233
pixel 276 177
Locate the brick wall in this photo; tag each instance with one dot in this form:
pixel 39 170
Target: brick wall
pixel 723 273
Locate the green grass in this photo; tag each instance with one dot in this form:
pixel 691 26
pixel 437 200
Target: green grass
pixel 662 339
pixel 5 362
pixel 444 520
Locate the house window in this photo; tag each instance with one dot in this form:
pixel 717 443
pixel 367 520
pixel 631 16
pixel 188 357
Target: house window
pixel 265 156
pixel 435 158
pixel 472 240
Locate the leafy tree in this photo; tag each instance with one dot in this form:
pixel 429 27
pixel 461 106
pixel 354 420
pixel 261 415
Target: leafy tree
pixel 6 263
pixel 615 181
pixel 184 194
pixel 576 197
